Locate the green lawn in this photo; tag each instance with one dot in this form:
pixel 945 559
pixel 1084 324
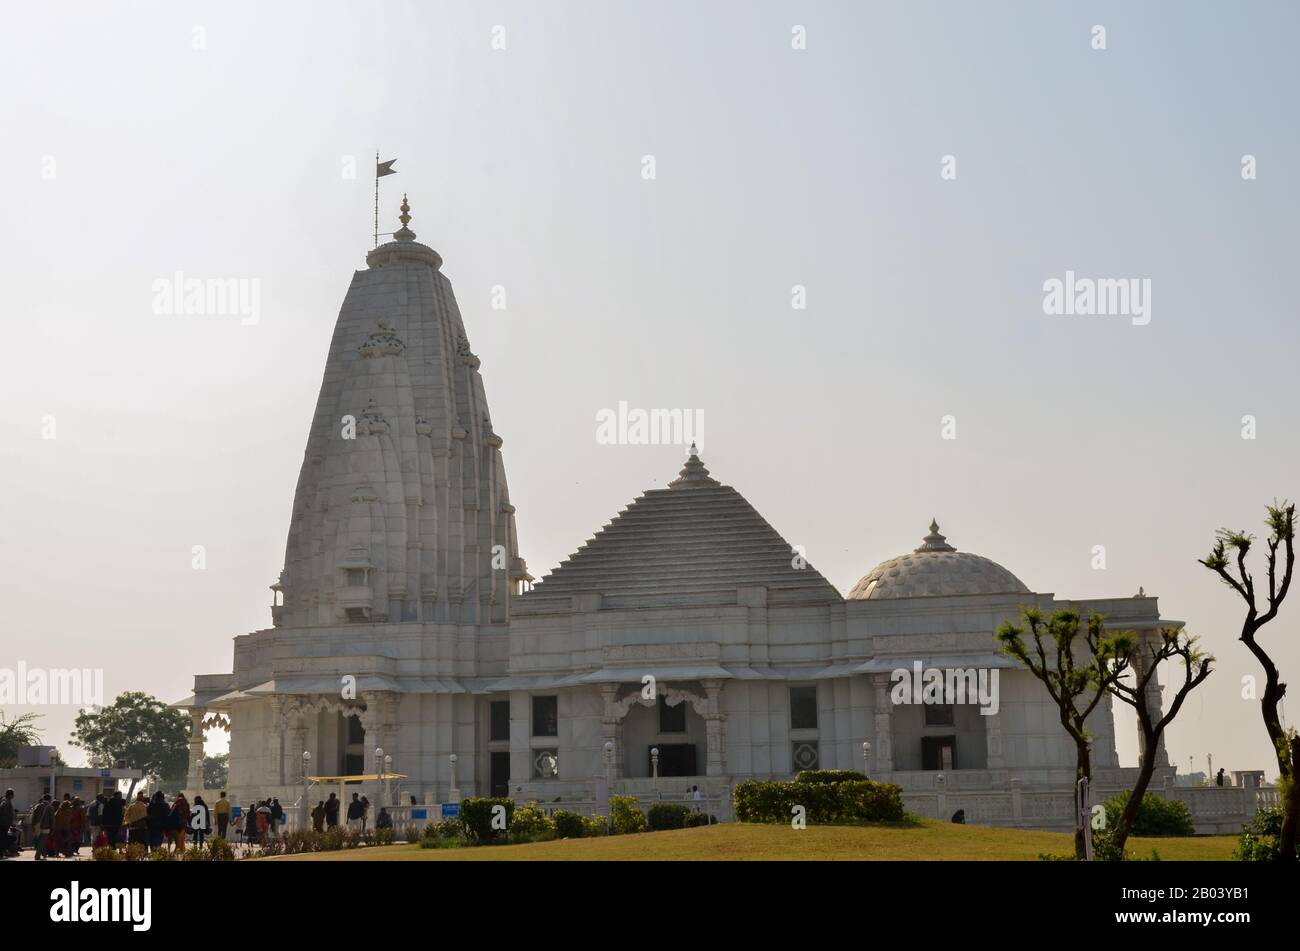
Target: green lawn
pixel 930 840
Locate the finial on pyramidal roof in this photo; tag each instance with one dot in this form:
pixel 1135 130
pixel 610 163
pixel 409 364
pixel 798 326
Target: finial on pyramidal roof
pixel 934 541
pixel 693 474
pixel 404 233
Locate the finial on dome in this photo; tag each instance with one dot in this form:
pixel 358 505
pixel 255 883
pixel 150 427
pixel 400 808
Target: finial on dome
pixel 934 541
pixel 404 233
pixel 693 474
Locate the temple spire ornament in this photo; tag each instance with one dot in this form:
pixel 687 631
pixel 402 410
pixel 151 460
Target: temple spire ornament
pixel 404 233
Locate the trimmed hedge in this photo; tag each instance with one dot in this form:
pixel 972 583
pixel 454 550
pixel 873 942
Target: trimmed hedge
pixel 667 815
pixel 829 776
pixel 845 801
pixel 476 816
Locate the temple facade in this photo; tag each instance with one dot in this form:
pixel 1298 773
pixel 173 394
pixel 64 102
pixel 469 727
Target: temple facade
pixel 685 644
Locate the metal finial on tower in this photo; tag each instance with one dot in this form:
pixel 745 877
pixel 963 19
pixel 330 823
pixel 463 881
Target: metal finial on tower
pixel 404 233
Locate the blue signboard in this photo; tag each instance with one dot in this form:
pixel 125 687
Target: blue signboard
pixel 450 810
pixel 419 814
pixel 107 774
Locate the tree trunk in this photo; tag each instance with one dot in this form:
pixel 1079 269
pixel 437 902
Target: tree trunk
pixel 1288 763
pixel 1291 806
pixel 1146 769
pixel 1083 770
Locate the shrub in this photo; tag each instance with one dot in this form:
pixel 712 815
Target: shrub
pixel 1155 816
pixel 849 801
pixel 477 815
pixel 627 817
pixel 219 850
pixel 696 819
pixel 668 815
pixel 412 833
pixel 829 776
pixel 105 854
pixel 568 825
pixel 1260 838
pixel 384 836
pixel 595 826
pixel 531 824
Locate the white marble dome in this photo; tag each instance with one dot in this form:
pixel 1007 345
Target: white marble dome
pixel 936 569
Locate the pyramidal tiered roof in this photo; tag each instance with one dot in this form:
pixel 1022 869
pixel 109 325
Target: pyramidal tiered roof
pixel 694 542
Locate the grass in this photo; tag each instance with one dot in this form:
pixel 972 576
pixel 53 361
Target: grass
pixel 930 840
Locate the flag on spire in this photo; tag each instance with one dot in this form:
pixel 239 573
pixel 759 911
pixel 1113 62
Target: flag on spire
pixel 384 168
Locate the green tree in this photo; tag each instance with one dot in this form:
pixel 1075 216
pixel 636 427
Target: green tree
pixel 1146 659
pixel 1077 666
pixel 139 729
pixel 216 771
pixel 20 731
pixel 1227 559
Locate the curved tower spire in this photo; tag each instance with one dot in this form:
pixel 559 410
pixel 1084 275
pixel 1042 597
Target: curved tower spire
pixel 402 512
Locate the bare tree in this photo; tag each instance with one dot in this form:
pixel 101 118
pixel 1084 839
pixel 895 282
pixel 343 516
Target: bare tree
pixel 1146 659
pixel 1075 683
pixel 1286 744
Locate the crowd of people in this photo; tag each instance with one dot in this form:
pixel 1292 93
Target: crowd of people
pixel 65 827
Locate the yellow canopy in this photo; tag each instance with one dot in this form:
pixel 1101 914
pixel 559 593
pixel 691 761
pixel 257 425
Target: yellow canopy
pixel 359 778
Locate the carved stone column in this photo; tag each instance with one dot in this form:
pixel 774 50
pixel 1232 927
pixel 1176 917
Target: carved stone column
pixel 993 738
pixel 715 728
pixel 194 774
pixel 275 740
pixel 609 730
pixel 884 716
pixel 379 720
pixel 1153 699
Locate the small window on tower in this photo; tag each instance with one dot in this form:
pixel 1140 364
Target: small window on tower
pixel 356 577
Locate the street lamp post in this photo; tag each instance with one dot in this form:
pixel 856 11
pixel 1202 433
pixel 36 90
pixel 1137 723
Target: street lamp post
pixel 388 769
pixel 609 777
pixel 454 793
pixel 866 758
pixel 306 787
pixel 654 768
pixel 379 768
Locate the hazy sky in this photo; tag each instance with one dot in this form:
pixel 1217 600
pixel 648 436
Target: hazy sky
pixel 144 139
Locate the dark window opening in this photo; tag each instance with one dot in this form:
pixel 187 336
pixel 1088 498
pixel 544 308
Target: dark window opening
pixel 546 716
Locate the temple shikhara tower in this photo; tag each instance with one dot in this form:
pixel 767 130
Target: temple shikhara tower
pixel 686 643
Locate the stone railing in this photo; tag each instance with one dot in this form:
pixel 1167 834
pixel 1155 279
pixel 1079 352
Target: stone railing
pixel 1215 810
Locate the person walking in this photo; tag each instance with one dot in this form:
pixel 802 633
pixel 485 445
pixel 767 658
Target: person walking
pixel 94 816
pixel 332 810
pixel 137 821
pixel 111 815
pixel 199 811
pixel 222 813
pixel 179 820
pixel 8 819
pixel 263 819
pixel 277 815
pixel 318 817
pixel 355 812
pixel 61 827
pixel 76 828
pixel 156 820
pixel 42 824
